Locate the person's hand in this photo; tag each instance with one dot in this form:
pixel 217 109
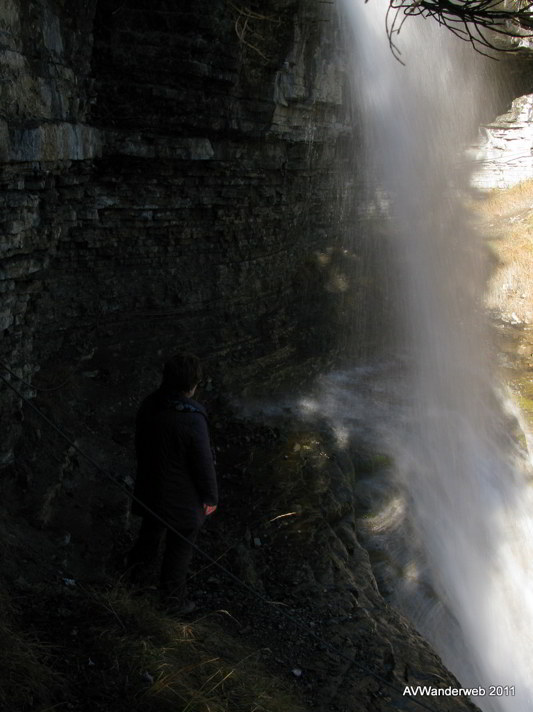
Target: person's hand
pixel 209 509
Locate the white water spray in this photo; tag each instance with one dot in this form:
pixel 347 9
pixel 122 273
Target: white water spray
pixel 469 502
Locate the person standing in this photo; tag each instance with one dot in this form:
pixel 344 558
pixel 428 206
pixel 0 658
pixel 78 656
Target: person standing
pixel 176 478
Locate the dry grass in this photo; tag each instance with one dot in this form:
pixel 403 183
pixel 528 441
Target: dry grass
pixel 28 678
pixel 507 218
pixel 111 650
pixel 161 664
pixel 509 202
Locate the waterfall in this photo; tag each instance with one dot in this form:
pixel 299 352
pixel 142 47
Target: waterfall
pixel 468 500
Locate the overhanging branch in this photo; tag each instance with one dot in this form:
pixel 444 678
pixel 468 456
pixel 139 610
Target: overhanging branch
pixel 482 23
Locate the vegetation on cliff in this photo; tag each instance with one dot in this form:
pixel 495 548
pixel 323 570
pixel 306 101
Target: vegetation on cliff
pixel 507 222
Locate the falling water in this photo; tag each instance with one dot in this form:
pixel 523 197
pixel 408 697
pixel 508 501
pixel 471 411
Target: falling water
pixel 468 498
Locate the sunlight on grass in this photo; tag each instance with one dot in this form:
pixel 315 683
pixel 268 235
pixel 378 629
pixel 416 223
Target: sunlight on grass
pixel 506 203
pixel 506 222
pixel 507 219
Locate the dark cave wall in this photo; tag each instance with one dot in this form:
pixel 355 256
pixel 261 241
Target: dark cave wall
pixel 169 177
pixel 45 142
pixel 217 175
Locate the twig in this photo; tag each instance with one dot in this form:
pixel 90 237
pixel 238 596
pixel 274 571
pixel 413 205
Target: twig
pixel 243 28
pixel 471 20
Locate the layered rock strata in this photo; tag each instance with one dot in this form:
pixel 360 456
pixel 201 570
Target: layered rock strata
pixel 168 175
pixel 504 153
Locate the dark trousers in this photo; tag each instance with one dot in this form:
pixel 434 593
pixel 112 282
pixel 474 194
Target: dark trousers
pixel 177 556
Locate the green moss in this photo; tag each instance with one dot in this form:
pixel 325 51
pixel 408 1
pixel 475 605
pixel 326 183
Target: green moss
pixel 370 463
pixel 525 403
pixel 380 461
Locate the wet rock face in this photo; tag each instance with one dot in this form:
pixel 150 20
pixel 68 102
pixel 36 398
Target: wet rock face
pixel 290 505
pixel 505 149
pixel 165 173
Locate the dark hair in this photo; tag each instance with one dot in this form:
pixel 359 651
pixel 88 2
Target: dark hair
pixel 182 372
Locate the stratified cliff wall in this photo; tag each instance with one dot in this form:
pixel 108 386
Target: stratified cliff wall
pixel 172 175
pixel 169 178
pixel 47 151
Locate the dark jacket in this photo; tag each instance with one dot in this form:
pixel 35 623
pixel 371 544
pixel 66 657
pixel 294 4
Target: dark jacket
pixel 175 471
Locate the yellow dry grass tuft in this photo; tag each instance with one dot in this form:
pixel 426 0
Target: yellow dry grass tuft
pixel 507 219
pixel 509 202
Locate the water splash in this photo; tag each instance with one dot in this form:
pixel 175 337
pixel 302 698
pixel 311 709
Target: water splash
pixel 470 505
